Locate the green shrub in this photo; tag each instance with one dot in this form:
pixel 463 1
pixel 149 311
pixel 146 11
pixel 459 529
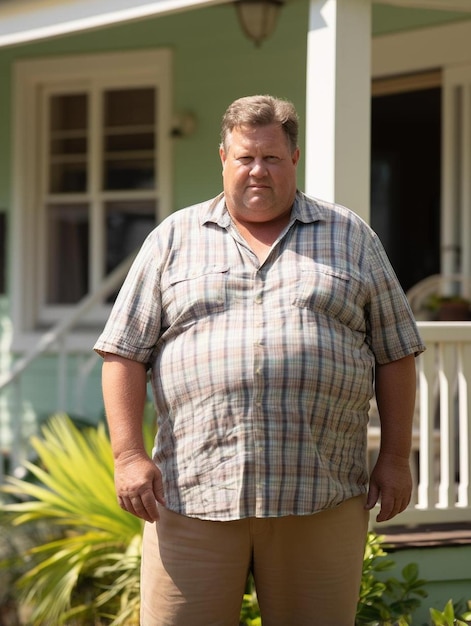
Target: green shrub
pixel 250 611
pixel 384 601
pixel 451 616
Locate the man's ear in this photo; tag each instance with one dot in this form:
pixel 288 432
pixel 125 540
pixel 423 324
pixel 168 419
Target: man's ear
pixel 222 154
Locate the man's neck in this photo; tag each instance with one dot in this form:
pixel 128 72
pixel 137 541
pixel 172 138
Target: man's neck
pixel 261 235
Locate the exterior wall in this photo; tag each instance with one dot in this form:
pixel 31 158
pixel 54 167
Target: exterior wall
pixel 447 570
pixel 214 63
pixel 40 390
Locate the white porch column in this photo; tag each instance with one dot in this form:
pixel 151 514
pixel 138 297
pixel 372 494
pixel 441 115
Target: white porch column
pixel 338 105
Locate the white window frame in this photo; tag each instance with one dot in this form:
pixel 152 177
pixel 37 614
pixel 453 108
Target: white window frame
pixel 31 79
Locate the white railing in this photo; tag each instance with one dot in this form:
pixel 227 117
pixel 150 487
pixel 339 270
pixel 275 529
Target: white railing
pixel 441 456
pixel 12 418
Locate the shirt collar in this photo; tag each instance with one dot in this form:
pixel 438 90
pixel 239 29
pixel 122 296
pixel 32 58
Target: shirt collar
pixel 216 212
pixel 305 209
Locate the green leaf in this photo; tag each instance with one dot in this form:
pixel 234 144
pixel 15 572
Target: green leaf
pixel 410 572
pixel 73 489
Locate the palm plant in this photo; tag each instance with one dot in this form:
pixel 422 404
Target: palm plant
pixel 99 546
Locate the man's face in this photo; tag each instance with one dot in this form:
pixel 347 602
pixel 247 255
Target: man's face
pixel 259 173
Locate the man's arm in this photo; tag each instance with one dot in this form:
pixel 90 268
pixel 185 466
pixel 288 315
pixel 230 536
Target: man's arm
pixel 138 481
pixel 390 480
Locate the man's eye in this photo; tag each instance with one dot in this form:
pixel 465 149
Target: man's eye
pixel 272 159
pixel 245 159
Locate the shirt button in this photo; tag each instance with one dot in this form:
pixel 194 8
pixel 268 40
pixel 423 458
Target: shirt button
pixel 258 299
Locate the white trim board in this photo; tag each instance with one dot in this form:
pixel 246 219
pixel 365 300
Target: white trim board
pixel 437 5
pixel 419 50
pixel 24 21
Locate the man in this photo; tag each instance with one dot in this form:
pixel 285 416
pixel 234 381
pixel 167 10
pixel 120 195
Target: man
pixel 264 317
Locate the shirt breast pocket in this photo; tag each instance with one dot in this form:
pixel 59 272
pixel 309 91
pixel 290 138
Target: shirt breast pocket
pixel 198 292
pixel 326 290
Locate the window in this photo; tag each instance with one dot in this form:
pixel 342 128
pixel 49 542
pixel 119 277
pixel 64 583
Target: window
pixel 100 128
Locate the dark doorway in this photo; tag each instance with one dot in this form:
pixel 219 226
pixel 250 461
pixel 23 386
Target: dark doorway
pixel 405 180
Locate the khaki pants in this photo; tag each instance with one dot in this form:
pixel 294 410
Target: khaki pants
pixel 307 569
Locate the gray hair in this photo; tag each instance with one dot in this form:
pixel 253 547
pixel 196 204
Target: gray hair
pixel 261 111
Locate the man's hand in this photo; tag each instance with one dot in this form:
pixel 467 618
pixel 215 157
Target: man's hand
pixel 138 485
pixel 137 480
pixel 391 484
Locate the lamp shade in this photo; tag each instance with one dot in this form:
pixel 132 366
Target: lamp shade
pixel 258 17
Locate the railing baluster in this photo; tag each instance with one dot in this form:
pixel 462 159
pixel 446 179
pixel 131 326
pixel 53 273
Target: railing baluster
pixel 62 375
pixel 17 448
pixel 3 431
pixel 426 495
pixel 446 495
pixel 464 404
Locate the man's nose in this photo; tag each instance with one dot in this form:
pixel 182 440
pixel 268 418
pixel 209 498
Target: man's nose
pixel 258 168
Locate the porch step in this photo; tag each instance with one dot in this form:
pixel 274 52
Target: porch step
pixel 426 536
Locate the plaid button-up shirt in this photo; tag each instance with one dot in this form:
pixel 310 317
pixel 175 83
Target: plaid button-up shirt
pixel 262 373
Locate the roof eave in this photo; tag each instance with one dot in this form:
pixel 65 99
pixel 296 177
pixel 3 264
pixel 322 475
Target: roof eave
pixel 25 22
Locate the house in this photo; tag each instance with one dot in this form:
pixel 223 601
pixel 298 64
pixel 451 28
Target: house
pixel 109 119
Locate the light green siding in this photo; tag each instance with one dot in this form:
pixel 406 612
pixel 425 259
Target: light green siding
pixel 447 571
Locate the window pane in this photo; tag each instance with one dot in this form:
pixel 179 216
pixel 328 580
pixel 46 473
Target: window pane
pixel 127 225
pixel 68 178
pixel 68 143
pixel 130 107
pixel 137 141
pixel 67 263
pixel 129 174
pixel 129 139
